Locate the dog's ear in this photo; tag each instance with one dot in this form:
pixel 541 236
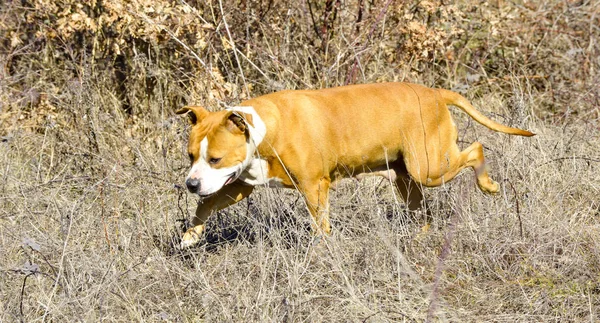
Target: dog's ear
pixel 238 120
pixel 195 113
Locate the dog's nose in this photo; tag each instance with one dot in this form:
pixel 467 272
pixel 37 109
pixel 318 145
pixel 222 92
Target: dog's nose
pixel 192 184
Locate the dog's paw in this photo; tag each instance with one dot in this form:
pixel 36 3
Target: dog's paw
pixel 489 187
pixel 191 237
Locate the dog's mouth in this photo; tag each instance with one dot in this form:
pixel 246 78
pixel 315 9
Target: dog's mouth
pixel 232 177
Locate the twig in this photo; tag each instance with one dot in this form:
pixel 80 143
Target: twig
pixel 587 159
pixel 61 268
pixel 446 249
pixel 103 217
pixel 237 59
pixel 517 206
pixel 508 78
pixel 390 312
pixel 312 17
pixel 184 214
pixel 23 295
pixel 27 274
pixel 248 60
pixel 350 77
pixel 186 47
pixel 191 51
pixel 575 33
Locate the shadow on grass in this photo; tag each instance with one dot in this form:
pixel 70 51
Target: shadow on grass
pixel 284 225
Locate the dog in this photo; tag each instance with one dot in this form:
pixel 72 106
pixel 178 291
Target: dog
pixel 309 139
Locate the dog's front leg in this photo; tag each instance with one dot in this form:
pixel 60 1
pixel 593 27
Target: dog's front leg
pixel 316 195
pixel 228 195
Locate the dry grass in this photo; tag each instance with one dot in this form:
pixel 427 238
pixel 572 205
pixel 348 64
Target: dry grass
pixel 91 198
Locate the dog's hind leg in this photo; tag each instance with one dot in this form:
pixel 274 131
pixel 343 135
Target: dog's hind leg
pixel 228 195
pixel 457 161
pixel 476 160
pixel 409 190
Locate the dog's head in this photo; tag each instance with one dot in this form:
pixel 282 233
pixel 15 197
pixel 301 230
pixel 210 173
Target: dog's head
pixel 219 148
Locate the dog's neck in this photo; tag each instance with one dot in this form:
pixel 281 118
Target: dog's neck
pixel 254 168
pixel 257 131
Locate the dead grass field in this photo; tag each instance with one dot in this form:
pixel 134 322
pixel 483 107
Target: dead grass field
pixel 92 199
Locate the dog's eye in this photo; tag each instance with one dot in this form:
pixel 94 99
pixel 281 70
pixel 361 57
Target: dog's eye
pixel 213 161
pixel 191 158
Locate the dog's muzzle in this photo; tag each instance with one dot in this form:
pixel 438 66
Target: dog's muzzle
pixel 194 186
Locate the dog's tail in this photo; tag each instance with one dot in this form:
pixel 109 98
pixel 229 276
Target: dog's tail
pixel 458 100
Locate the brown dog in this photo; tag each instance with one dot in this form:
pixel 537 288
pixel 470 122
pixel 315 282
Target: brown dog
pixel 309 139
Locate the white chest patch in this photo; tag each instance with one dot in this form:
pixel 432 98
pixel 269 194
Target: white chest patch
pixel 257 174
